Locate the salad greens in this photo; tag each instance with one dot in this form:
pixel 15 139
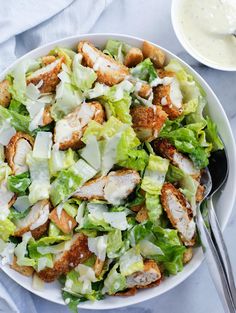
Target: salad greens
pixel 103 195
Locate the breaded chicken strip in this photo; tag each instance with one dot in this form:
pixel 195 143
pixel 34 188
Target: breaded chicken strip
pixel 5 96
pixel 93 189
pixel 36 221
pixel 98 267
pixel 69 130
pixel 76 252
pixel 166 150
pixel 48 74
pixel 24 270
pixel 133 57
pixel 142 215
pixel 47 118
pixel 16 152
pixel 147 121
pixel 168 94
pixel 187 256
pixel 179 213
pixel 109 71
pixel 113 188
pixel 146 278
pixel 64 222
pixel 155 54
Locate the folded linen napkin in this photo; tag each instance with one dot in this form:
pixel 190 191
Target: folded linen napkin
pixel 25 25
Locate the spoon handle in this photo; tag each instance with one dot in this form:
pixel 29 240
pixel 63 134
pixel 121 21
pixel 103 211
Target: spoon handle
pixel 221 247
pixel 214 264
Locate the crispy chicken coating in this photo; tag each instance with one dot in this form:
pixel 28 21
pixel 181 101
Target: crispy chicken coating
pixel 69 130
pixel 16 151
pixel 147 121
pixel 48 74
pixel 179 213
pixel 187 256
pixel 166 150
pixel 109 71
pixel 77 252
pixel 142 215
pixel 39 210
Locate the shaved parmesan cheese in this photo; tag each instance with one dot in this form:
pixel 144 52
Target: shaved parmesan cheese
pixel 116 219
pixel 22 203
pixel 175 94
pixel 98 246
pixel 97 91
pixel 6 133
pixel 32 91
pixel 147 248
pixel 43 145
pixel 37 283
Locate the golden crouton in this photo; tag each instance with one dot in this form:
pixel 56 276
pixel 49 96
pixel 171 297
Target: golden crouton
pixel 78 123
pixel 133 57
pixel 166 150
pixel 65 222
pixel 24 270
pixel 145 91
pixel 27 223
pixel 142 215
pixel 155 54
pixel 109 71
pixel 16 151
pixel 5 96
pixel 48 74
pixel 76 253
pixel 98 267
pixel 187 256
pixel 179 213
pixel 147 121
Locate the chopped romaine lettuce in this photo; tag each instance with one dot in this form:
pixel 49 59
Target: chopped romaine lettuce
pixel 117 49
pixel 6 229
pixel 18 121
pixel 114 281
pixel 212 136
pixel 145 71
pixel 21 251
pixel 98 246
pixel 19 183
pixel 61 160
pixel 131 261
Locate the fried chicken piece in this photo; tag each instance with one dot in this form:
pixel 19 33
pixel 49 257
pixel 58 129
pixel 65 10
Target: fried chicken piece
pixel 5 96
pixel 119 185
pixel 16 152
pixel 69 130
pixel 76 252
pixel 48 59
pixel 187 256
pixel 36 221
pixel 24 270
pixel 133 57
pixel 126 293
pixel 48 74
pixel 145 91
pixel 155 54
pixel 179 213
pixel 166 150
pixel 109 71
pixel 200 193
pixel 147 121
pixel 143 279
pixel 93 189
pixel 65 222
pixel 115 187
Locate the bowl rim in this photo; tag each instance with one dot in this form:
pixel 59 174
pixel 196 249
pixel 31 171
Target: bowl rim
pixel 184 42
pixel 191 267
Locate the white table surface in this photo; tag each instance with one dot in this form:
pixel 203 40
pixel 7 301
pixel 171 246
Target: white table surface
pixel 150 19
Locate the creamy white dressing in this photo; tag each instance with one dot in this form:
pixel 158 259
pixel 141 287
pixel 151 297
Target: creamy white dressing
pixel 207 25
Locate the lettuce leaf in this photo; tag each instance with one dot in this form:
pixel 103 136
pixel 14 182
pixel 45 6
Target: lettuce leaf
pixel 68 181
pixel 144 71
pixel 131 261
pixel 19 183
pixel 6 229
pixel 117 49
pixel 18 121
pixel 21 251
pixel 114 281
pixel 65 53
pixel 212 135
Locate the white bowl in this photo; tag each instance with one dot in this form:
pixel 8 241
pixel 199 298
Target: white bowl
pixel 175 14
pixel 223 204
